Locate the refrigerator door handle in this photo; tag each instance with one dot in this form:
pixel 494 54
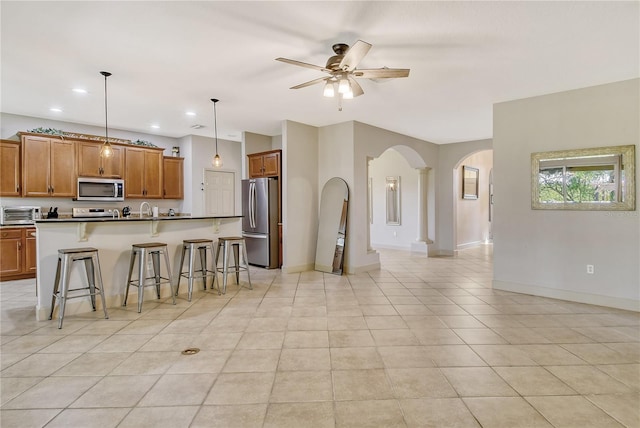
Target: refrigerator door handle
pixel 252 204
pixel 247 235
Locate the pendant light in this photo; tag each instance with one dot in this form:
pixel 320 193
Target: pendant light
pixel 106 151
pixel 217 160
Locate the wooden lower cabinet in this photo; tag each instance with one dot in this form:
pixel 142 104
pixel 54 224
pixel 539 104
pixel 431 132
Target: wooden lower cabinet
pixel 18 257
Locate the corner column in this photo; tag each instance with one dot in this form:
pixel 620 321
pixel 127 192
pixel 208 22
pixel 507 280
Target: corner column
pixel 423 223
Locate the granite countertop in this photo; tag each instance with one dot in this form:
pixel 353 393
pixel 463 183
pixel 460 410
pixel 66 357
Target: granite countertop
pixel 68 219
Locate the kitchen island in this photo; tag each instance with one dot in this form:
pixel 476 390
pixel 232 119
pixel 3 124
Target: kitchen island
pixel 113 238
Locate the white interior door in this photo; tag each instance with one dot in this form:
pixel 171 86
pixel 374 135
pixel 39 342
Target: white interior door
pixel 219 193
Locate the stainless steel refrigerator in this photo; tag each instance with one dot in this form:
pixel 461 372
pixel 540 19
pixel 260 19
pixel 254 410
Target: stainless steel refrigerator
pixel 260 221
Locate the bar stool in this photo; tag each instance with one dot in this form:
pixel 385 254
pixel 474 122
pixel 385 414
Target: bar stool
pixel 66 257
pixel 224 245
pixel 143 250
pixel 191 245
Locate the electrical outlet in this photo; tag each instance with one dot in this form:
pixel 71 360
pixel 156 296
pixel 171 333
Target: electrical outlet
pixel 590 269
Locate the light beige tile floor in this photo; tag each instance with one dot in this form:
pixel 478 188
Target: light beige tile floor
pixel 423 342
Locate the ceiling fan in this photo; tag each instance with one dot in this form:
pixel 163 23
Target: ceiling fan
pixel 342 71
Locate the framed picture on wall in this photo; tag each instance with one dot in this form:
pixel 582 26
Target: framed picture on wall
pixel 469 182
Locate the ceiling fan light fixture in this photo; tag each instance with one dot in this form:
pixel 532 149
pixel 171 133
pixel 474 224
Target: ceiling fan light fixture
pixel 344 86
pixel 348 95
pixel 217 160
pixel 329 90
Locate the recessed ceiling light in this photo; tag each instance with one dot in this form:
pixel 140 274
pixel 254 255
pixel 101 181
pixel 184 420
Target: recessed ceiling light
pixel 80 91
pixel 190 113
pixel 155 126
pixel 56 109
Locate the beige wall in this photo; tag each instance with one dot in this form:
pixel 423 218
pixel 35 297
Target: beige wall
pixel 299 195
pixel 546 252
pixel 472 215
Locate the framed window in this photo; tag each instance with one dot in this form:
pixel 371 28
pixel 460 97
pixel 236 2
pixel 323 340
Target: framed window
pixel 469 182
pixel 589 179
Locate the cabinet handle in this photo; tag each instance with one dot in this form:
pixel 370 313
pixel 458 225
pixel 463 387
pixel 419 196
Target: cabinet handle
pixel 19 245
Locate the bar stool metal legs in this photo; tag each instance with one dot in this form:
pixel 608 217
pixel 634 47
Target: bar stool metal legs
pixel 66 257
pixel 224 245
pixel 191 245
pixel 143 250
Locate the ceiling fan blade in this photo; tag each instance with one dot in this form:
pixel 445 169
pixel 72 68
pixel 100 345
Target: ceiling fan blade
pixel 354 55
pixel 303 64
pixel 355 87
pixel 309 83
pixel 381 73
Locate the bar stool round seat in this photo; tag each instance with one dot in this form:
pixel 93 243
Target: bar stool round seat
pixel 142 251
pixel 225 244
pixel 66 257
pixel 202 246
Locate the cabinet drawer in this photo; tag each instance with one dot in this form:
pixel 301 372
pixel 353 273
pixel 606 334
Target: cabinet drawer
pixel 11 234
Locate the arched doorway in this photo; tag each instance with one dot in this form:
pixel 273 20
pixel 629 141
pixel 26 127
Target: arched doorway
pixel 398 200
pixel 473 214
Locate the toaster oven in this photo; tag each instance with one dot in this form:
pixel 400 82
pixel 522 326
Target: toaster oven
pixel 19 215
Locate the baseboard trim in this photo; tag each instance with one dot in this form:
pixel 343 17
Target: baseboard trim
pixel 572 296
pixel 299 268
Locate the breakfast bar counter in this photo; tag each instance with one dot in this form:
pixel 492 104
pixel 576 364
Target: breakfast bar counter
pixel 113 237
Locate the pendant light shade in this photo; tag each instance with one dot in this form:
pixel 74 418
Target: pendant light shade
pixel 217 160
pixel 106 151
pixel 329 90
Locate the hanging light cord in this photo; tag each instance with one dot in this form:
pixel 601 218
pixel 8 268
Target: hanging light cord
pixel 106 117
pixel 215 122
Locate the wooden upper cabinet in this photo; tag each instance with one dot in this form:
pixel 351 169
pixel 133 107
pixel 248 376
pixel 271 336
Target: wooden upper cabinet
pixel 9 168
pixel 90 164
pixel 63 175
pixel 48 167
pixel 264 164
pixel 173 177
pixel 143 173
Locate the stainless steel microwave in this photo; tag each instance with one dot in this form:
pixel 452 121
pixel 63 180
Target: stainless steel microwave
pixel 100 189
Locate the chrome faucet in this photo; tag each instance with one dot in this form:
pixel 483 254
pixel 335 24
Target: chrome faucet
pixel 148 211
pixel 115 213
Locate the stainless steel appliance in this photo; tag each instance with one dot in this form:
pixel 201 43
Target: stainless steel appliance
pixel 260 221
pixel 19 215
pixel 100 189
pixel 94 213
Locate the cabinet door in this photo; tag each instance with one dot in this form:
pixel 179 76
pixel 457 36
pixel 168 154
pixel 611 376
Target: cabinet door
pixel 9 168
pixel 153 174
pixel 30 256
pixel 134 172
pixel 173 178
pixel 63 178
pixel 255 166
pixel 113 167
pixel 35 166
pixel 271 165
pixel 10 252
pixel 88 155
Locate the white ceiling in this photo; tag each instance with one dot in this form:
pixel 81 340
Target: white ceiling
pixel 170 57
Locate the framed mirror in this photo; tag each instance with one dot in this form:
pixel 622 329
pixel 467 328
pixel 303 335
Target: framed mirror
pixel 601 178
pixel 392 190
pixel 470 182
pixel 332 226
